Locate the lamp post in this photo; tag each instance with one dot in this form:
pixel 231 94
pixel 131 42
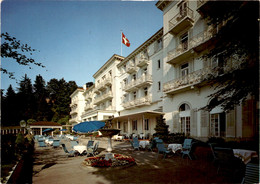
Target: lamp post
pixel 23 125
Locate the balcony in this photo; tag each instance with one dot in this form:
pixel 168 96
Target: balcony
pixel 142 62
pixel 197 43
pixel 186 82
pixel 102 85
pixel 131 68
pixel 89 107
pixel 74 111
pixel 103 98
pixel 181 52
pixel 143 101
pixel 181 21
pixel 144 80
pixel 202 40
pixel 204 6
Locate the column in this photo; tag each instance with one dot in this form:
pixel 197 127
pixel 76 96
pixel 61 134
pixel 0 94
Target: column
pixel 128 127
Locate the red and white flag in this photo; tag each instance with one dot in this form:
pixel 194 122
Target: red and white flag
pixel 125 40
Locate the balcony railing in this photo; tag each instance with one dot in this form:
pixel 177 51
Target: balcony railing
pixel 181 21
pixel 142 61
pixel 197 43
pixel 74 111
pixel 102 84
pixel 143 80
pixel 201 2
pixel 143 101
pixel 88 107
pixel 187 80
pixel 104 97
pixel 130 68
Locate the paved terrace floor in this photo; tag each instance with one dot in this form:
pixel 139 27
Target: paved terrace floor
pixel 51 165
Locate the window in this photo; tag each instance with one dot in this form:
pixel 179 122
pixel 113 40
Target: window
pixel 183 8
pixel 134 77
pixel 134 95
pixel 134 124
pixel 185 125
pixel 214 124
pixel 146 124
pixel 118 125
pixel 145 91
pixel 184 69
pixel 159 42
pixel 110 73
pixel 145 71
pixel 125 81
pixel 185 118
pixel 184 41
pixel 184 107
pixel 159 86
pixel 159 64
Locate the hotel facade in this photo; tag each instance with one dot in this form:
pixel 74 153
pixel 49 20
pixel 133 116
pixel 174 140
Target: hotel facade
pixel 165 76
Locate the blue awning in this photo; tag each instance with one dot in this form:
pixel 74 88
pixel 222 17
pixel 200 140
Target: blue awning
pixel 88 126
pixel 48 130
pixel 63 130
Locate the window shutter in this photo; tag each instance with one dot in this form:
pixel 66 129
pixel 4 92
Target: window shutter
pixel 204 123
pixel 176 121
pixel 193 122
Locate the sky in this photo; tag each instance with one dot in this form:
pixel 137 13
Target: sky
pixel 74 39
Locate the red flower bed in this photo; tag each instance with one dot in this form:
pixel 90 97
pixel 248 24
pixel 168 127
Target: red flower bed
pixel 118 160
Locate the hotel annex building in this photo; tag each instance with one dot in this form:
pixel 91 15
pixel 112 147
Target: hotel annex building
pixel 164 76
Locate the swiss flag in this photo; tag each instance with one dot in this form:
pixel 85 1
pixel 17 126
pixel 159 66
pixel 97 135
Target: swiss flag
pixel 125 40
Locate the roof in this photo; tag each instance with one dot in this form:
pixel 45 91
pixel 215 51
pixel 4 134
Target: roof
pixel 137 115
pixel 115 56
pixel 45 123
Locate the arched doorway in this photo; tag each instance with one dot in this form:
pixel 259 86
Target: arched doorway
pixel 184 114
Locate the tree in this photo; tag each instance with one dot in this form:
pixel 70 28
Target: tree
pixel 40 95
pixel 60 91
pixel 26 99
pixel 13 49
pixel 161 128
pixel 9 108
pixel 236 40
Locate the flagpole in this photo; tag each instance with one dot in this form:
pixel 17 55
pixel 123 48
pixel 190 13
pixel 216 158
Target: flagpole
pixel 121 42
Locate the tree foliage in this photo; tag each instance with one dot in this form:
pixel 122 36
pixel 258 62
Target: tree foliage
pixel 236 39
pixel 38 101
pixel 161 128
pixel 12 48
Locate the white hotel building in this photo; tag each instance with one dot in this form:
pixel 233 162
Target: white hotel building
pixel 163 76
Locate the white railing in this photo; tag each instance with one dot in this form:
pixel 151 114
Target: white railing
pixel 192 43
pixel 146 100
pixel 187 12
pixel 142 61
pixel 102 84
pixel 88 106
pixel 130 67
pixel 103 97
pixel 141 80
pixel 187 80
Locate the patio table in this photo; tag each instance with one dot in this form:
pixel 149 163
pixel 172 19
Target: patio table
pixel 80 148
pixel 49 142
pixel 245 155
pixel 143 144
pixel 175 147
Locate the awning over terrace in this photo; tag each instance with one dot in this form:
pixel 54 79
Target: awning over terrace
pixel 139 115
